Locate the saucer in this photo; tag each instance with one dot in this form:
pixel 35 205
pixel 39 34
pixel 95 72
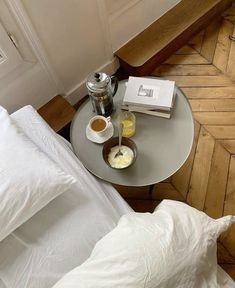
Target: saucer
pixel 99 139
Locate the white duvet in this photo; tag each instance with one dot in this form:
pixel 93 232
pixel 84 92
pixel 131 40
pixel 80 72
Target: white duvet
pixel 173 247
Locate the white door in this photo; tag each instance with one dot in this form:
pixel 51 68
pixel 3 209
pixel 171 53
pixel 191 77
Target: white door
pixel 24 80
pixel 9 56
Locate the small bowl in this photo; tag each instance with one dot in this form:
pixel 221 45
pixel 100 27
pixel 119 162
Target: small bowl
pixel 114 142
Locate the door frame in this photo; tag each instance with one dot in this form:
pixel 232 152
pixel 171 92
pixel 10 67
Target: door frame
pixel 18 11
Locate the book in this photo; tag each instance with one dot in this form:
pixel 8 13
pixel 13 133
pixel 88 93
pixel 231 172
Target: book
pixel 153 112
pixel 149 93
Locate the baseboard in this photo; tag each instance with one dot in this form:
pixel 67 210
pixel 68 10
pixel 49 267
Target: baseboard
pixel 80 90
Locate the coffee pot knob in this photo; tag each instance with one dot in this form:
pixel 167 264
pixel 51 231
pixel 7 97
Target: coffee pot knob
pixel 97 76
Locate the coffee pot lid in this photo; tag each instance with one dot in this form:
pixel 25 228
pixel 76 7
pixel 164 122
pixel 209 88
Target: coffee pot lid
pixel 98 81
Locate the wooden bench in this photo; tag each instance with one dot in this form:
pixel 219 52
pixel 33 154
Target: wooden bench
pixel 58 113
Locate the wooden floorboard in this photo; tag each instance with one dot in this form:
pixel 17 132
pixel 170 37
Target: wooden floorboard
pixel 186 70
pixel 215 118
pixel 222 51
pixel 229 145
pixel 210 93
pixel 186 50
pixel 185 59
pixel 201 170
pixel 201 81
pixel 218 177
pixel 212 105
pixel 166 191
pixel 221 131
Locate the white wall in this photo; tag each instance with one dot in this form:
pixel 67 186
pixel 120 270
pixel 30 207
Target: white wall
pixel 79 36
pixel 128 18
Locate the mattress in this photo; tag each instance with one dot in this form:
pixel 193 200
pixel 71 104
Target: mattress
pixel 62 235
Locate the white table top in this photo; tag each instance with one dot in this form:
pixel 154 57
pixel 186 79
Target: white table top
pixel 163 144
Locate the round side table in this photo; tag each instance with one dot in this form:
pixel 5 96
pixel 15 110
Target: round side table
pixel 163 144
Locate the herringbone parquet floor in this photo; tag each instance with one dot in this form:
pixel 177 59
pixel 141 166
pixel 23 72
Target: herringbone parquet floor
pixel 204 71
pixel 207 180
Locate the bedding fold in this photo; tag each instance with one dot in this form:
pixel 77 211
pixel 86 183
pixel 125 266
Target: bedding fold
pixel 174 247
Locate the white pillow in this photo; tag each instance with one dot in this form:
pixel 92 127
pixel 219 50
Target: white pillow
pixel 28 178
pixel 173 247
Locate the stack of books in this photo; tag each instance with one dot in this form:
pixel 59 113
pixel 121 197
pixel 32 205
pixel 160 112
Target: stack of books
pixel 149 96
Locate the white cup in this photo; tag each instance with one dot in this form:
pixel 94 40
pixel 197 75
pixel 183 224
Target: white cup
pixel 99 125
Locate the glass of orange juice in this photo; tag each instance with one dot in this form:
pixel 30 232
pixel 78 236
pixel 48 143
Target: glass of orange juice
pixel 128 121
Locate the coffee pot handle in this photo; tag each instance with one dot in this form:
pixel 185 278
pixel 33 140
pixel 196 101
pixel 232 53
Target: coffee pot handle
pixel 114 82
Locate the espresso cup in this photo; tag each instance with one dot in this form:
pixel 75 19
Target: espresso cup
pixel 99 125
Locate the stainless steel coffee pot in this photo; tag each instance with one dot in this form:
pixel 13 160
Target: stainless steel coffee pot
pixel 101 89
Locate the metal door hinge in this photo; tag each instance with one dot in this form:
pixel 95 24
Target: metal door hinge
pixel 13 40
pixel 231 37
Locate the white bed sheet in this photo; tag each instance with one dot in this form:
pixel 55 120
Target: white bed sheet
pixel 60 236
